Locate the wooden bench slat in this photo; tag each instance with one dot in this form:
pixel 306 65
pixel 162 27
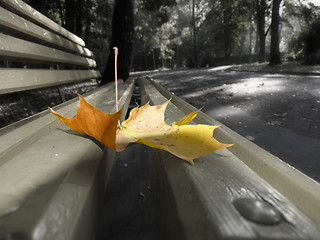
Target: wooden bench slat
pixel 21 8
pixel 301 190
pixel 16 23
pixel 20 49
pixel 63 210
pixel 56 174
pixel 196 202
pixel 20 133
pixel 13 80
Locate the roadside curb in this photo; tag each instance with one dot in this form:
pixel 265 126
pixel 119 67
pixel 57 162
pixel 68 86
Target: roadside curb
pixel 275 72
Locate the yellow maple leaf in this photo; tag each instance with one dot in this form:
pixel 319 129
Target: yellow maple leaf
pixel 145 125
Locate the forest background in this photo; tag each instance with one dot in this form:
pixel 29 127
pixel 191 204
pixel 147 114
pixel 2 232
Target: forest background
pixel 155 34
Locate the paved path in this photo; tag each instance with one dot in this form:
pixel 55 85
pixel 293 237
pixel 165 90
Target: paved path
pixel 280 113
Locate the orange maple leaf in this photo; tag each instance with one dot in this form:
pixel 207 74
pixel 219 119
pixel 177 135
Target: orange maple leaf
pixel 93 122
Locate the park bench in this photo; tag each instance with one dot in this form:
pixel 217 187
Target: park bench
pixel 242 192
pixel 51 181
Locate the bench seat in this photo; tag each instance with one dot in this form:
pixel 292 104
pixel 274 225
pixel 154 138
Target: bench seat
pixel 219 196
pixel 52 180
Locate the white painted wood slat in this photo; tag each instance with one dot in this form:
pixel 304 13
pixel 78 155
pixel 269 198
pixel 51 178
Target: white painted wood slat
pixel 25 10
pixel 20 49
pixel 14 22
pixel 14 80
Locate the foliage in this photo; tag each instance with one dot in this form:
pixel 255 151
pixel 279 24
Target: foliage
pixel 225 27
pixel 51 9
pixel 221 30
pixel 89 19
pixel 98 31
pixel 152 34
pixel 305 44
pixel 165 36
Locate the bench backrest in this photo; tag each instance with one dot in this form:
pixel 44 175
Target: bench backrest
pixel 35 52
pixel 52 180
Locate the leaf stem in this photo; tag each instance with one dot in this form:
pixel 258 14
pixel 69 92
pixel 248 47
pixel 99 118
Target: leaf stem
pixel 115 75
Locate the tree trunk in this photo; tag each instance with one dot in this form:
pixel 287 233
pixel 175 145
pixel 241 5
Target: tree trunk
pixel 122 38
pixel 195 51
pixel 261 12
pixel 226 28
pixel 275 57
pixel 79 18
pixel 87 30
pixel 70 12
pixel 63 24
pixel 39 5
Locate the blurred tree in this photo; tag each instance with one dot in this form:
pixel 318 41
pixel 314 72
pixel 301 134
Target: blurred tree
pixel 186 33
pixel 153 32
pixel 98 29
pixel 70 15
pixel 74 16
pixel 122 38
pixel 52 9
pixel 275 57
pixel 157 5
pixel 195 51
pixel 261 8
pixel 89 19
pixel 313 44
pixel 40 5
pixel 304 44
pixel 227 17
pixel 229 22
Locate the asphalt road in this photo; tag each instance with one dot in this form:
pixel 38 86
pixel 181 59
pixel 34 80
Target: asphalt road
pixel 278 112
